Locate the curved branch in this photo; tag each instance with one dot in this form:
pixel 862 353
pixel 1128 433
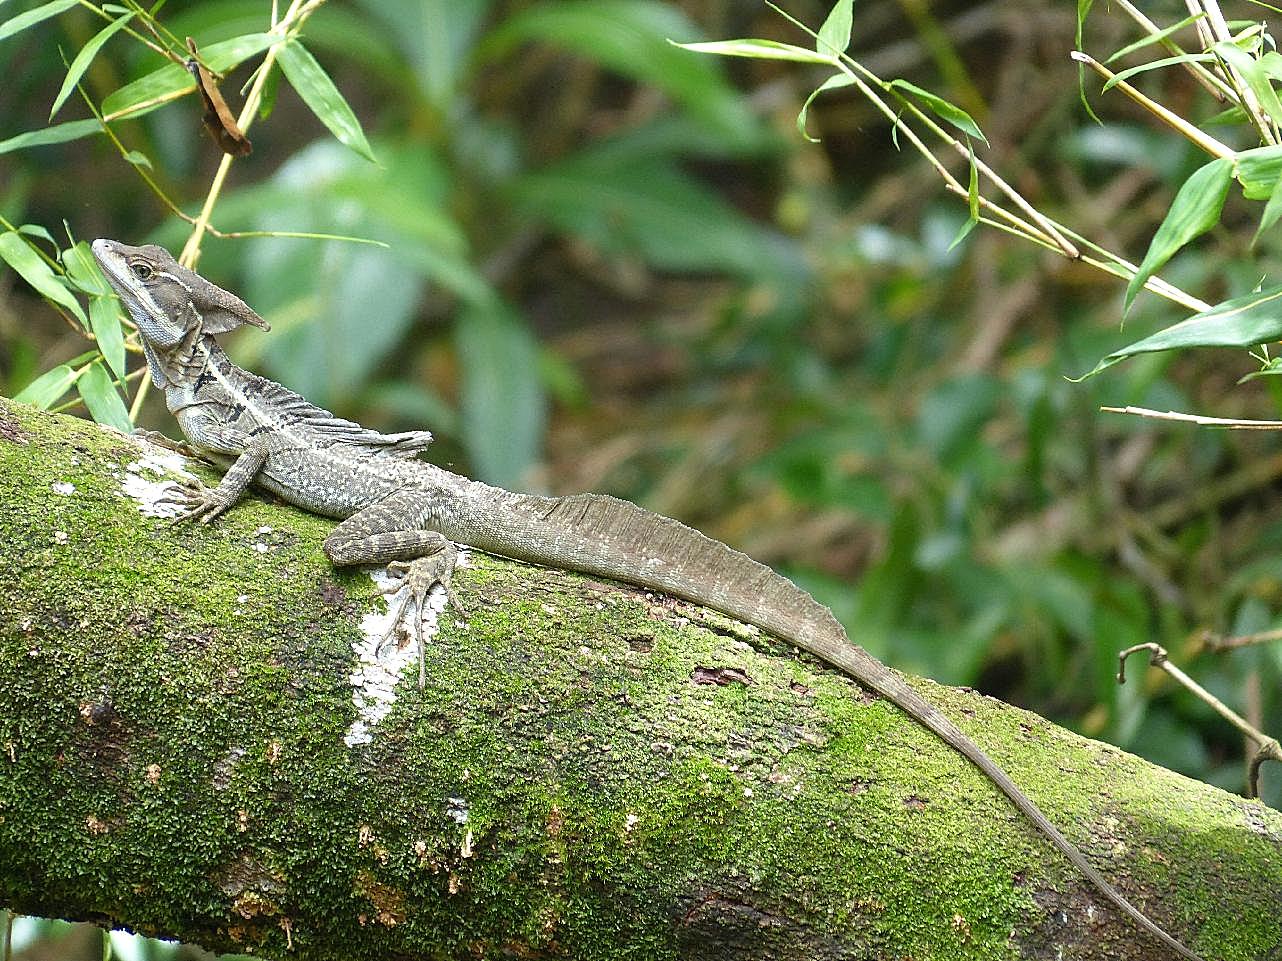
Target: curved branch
pixel 191 747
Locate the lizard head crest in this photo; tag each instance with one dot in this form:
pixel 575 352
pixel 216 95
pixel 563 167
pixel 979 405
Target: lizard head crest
pixel 170 303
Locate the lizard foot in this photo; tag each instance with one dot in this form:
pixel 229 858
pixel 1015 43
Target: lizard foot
pixel 420 576
pixel 161 440
pixel 200 503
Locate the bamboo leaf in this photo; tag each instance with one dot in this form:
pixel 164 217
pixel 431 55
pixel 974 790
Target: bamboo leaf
pixel 85 57
pixel 104 318
pixel 1258 170
pixel 59 133
pixel 1254 318
pixel 172 81
pixel 1272 211
pixel 1195 210
pixel 83 271
pixel 832 83
pixel 1255 74
pixel 951 113
pixel 32 17
pixel 972 201
pixel 48 387
pixel 313 84
pixel 1157 65
pixel 102 398
pixel 1083 8
pixel 18 254
pixel 35 230
pixel 1153 37
pixel 834 35
pixel 759 49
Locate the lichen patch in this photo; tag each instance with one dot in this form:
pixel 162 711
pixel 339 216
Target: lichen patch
pixel 387 646
pixel 149 481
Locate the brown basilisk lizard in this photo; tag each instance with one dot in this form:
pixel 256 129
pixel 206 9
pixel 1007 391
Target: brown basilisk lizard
pixel 400 511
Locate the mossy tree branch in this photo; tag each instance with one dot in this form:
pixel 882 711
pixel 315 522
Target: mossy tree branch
pixel 591 771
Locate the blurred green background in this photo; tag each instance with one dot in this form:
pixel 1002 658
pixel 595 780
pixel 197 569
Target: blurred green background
pixel 615 265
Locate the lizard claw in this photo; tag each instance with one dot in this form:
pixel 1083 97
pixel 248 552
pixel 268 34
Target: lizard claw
pixel 181 492
pixel 420 576
pixel 161 440
pixel 202 504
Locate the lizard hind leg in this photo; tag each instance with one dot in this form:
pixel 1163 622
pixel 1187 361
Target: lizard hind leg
pixel 417 578
pixel 417 559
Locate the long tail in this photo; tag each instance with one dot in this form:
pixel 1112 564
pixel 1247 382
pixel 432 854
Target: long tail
pixel 614 538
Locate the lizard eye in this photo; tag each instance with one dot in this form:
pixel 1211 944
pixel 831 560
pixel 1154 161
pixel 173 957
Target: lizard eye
pixel 141 270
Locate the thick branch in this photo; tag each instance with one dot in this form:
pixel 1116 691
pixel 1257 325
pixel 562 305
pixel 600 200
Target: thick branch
pixel 591 771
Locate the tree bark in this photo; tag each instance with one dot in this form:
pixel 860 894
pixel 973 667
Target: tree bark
pixel 191 746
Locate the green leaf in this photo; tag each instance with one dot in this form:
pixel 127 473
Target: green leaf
pixel 83 271
pixel 972 201
pixel 1271 368
pixel 103 400
pixel 138 159
pixel 1272 211
pixel 1152 37
pixel 59 133
pixel 32 17
pixel 84 58
pixel 832 83
pixel 1083 8
pixel 431 42
pixel 1255 73
pixel 271 88
pixel 834 35
pixel 502 406
pixel 1258 171
pixel 48 387
pixel 313 84
pixel 18 254
pixel 1195 210
pixel 954 115
pixel 651 209
pixel 1226 118
pixel 1245 321
pixel 104 318
pixel 172 81
pixel 35 230
pixel 760 50
pixel 632 38
pixel 1157 65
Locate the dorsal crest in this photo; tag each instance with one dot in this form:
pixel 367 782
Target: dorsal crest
pixel 322 429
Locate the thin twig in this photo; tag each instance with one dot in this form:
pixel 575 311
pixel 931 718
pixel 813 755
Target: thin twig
pixel 1250 103
pixel 1173 120
pixel 1230 423
pixel 298 11
pixel 1203 29
pixel 1219 643
pixel 1267 748
pixel 1216 87
pixel 1038 228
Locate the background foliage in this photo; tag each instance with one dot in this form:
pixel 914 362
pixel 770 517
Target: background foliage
pixel 615 265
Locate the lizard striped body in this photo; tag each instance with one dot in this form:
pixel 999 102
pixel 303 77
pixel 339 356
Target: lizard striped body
pixel 394 509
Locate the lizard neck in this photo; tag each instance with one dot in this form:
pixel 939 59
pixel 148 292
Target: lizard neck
pixel 197 371
pixel 182 365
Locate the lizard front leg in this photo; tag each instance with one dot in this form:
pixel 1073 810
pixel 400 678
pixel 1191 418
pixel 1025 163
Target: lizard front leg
pixel 208 435
pixel 418 559
pixel 208 503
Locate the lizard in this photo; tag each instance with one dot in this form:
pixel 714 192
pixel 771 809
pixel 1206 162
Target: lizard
pixel 409 514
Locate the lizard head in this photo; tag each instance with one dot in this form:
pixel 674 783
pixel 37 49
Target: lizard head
pixel 169 303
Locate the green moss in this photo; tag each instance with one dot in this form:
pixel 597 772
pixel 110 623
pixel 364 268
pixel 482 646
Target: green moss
pixel 562 785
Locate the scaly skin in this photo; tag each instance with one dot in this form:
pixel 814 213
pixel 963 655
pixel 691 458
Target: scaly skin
pixel 408 514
